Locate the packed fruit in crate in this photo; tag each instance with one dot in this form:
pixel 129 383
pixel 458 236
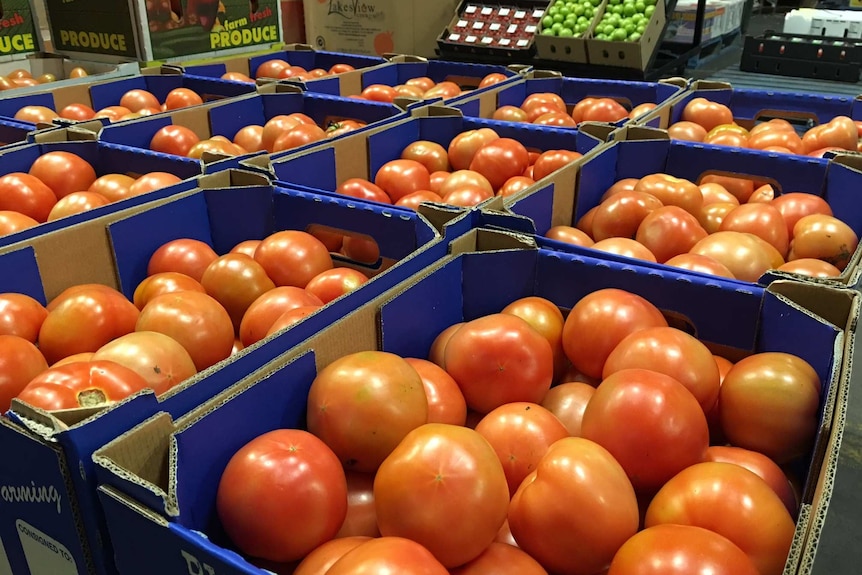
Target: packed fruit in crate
pixel 281 69
pixel 624 20
pixel 550 109
pixel 494 26
pixel 569 18
pixel 21 78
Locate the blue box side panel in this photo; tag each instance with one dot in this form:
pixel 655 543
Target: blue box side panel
pixel 601 171
pixel 229 118
pixel 208 70
pixel 19 273
pixel 136 134
pixel 238 214
pixel 109 93
pixel 842 194
pixel 315 170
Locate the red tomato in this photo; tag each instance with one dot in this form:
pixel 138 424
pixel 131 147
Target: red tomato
pixel 642 109
pixel 620 216
pixel 491 79
pixel 672 191
pixel 669 231
pixel 63 172
pixel 811 267
pixel 301 135
pixel 625 247
pixel 151 182
pixel 520 434
pixel 158 358
pixel 236 281
pixel 740 253
pixel 500 160
pixel 20 362
pixel 405 91
pixel 701 264
pixel 463 147
pixel 762 220
pixel 164 283
pixel 510 114
pixel 135 100
pixel 364 432
pixel 293 72
pixel 600 321
pixel 291 317
pixel 21 315
pixel 568 401
pixel 212 146
pixel 467 196
pixel 823 237
pixel 197 321
pixel 379 93
pixel 388 555
pixel 12 222
pixel 763 195
pixel 713 214
pixel 714 193
pixel 250 138
pixel 414 200
pixel 733 502
pixel 796 205
pixel 114 187
pixel 436 476
pixel 78 112
pixel 604 110
pixel 773 383
pixel 36 115
pixel 544 110
pixel 237 77
pixel 422 82
pixel 773 138
pixel 246 247
pixel 275 127
pixel 334 283
pixel 462 179
pixel 547 319
pixel 325 555
pixel 312 501
pixel 75 203
pixel 361 518
pixel 501 559
pixel 514 185
pixel 578 474
pixel 680 550
pixel 707 114
pixel 556 119
pixel 840 132
pixel 498 359
pixel 687 131
pixel 399 178
pixel 446 403
pixel 175 140
pixel 624 185
pixel 437 353
pixel 362 249
pixel 760 465
pixel 186 256
pixel 430 154
pixel 444 90
pixel 437 179
pixel 82 384
pixel 85 320
pixel 182 98
pixel 27 195
pixel 739 187
pixel 292 258
pixel 544 98
pixel 113 113
pixel 271 68
pixel 363 189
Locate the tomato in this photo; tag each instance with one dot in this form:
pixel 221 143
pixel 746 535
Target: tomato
pixel 301 135
pixel 491 79
pixel 840 132
pixel 423 82
pixel 175 140
pixel 388 555
pixel 182 98
pixel 769 404
pixel 669 231
pixel 76 203
pixel 556 119
pixel 762 220
pixel 85 320
pixel 578 474
pixel 547 319
pixel 551 161
pixel 499 160
pixel 136 99
pixel 114 187
pixel 271 68
pixel 760 465
pixel 501 559
pixel 498 359
pixel 712 215
pixel 399 178
pixel 63 172
pixel 292 257
pixel 363 404
pixel 21 315
pixel 437 353
pixel 113 113
pixel 510 114
pixel 414 200
pixel 672 191
pixel 12 222
pixel 343 127
pixel 236 281
pixel 733 502
pixel 624 185
pixel 20 362
pixel 463 147
pixel 159 359
pixel 437 179
pixel 464 178
pixel 642 109
pixel 379 93
pixel 680 550
pixel 27 195
pixel 796 205
pixel 211 146
pixel 77 112
pixel 164 283
pixel 446 403
pixel 467 196
pixel 600 321
pixel 714 193
pixel 237 77
pixel 544 98
pixel 82 384
pixel 520 433
pixel 701 264
pixel 291 317
pixel 823 237
pixel 438 474
pixel 443 90
pixel 550 114
pixel 250 138
pixel 707 114
pixel 811 267
pixel 293 72
pixel 186 256
pixel 625 247
pixel 430 154
pixel 334 283
pixel 739 252
pixel 363 189
pixel 151 182
pixel 404 91
pixel 687 131
pixel 567 402
pixel 361 249
pixel 515 185
pixel 36 115
pixel 605 110
pixel 312 501
pixel 275 127
pixel 325 555
pixel 569 235
pixel 621 214
pixel 195 320
pixel 739 187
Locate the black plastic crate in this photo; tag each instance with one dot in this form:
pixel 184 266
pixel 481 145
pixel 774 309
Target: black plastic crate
pixel 803 56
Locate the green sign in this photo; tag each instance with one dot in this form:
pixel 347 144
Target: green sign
pixel 92 26
pixel 18 32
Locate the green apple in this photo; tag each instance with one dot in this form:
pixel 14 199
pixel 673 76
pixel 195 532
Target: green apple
pixel 649 11
pixel 547 22
pixel 634 37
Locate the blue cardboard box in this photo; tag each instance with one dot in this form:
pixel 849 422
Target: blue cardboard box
pixel 301 55
pixel 227 117
pixel 628 93
pixel 159 481
pixel 361 156
pixel 105 159
pixel 106 93
pixel 52 453
pixel 13 132
pixel 641 151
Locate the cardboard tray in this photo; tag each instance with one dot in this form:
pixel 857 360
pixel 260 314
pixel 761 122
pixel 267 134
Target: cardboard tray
pixel 60 66
pixel 639 151
pixel 159 481
pixel 54 450
pixel 629 54
pixel 568 49
pixel 447 47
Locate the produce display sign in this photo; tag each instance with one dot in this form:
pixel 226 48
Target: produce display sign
pixel 92 26
pixel 18 32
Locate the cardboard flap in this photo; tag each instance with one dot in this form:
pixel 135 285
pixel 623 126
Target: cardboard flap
pixel 297 47
pixel 233 178
pixel 42 421
pixel 406 102
pixel 640 133
pixel 520 69
pixel 404 59
pixel 833 304
pixel 87 132
pixel 438 215
pixel 538 74
pixel 436 111
pixel 599 130
pixel 484 240
pixel 260 162
pixel 281 87
pixel 710 85
pixel 852 160
pixel 677 81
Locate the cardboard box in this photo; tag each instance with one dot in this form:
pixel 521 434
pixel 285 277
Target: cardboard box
pixel 681 27
pixel 343 84
pixel 59 66
pixel 19 30
pixel 13 133
pixel 573 90
pixel 292 22
pixel 568 49
pixel 493 32
pixel 106 93
pixel 377 27
pixel 159 481
pixel 629 54
pixel 54 451
pixel 153 31
pixel 639 151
